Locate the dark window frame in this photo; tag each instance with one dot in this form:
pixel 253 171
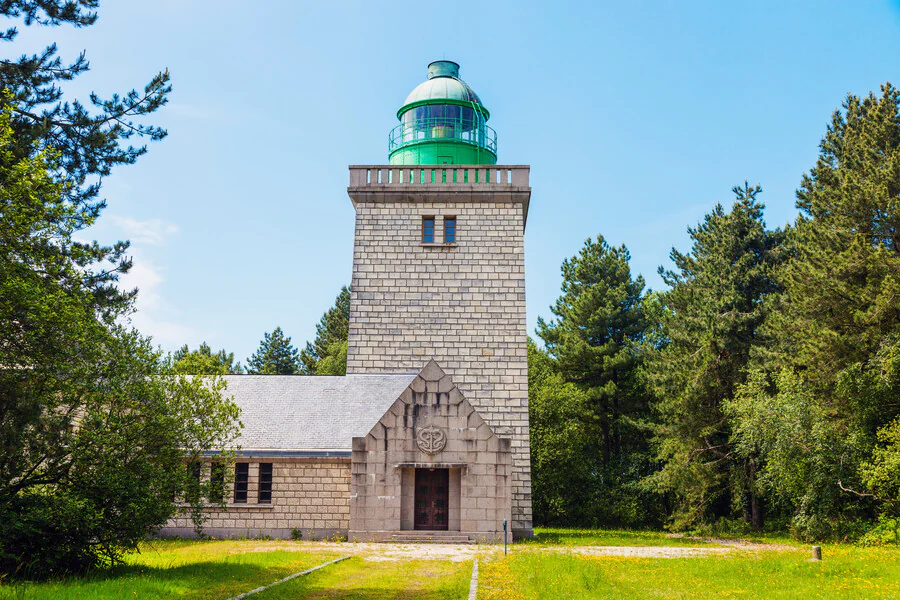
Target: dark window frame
pixel 264 491
pixel 428 238
pixel 192 489
pixel 217 481
pixel 451 238
pixel 241 482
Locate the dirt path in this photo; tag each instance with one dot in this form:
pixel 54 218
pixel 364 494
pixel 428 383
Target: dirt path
pixel 388 552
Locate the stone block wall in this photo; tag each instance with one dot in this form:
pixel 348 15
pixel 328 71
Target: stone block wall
pixel 384 463
pixel 308 494
pixel 461 304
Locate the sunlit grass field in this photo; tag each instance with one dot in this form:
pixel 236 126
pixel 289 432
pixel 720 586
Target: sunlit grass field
pixel 179 569
pixel 549 536
pixel 548 567
pixel 358 579
pixel 846 572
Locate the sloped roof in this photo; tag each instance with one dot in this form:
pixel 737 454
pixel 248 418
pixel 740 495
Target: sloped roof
pixel 294 413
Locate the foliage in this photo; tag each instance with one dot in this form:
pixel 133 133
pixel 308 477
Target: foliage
pixel 327 354
pixel 203 361
pixel 586 403
pixel 90 141
pixel 275 356
pixel 92 437
pixel 832 357
pixel 335 362
pixel 114 478
pixel 881 472
pixel 708 327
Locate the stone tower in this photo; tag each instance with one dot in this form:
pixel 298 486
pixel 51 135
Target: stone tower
pixel 439 263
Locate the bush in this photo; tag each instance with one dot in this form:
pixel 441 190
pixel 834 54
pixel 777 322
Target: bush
pixel 47 535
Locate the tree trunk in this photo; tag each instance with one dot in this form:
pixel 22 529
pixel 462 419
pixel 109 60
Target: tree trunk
pixel 756 513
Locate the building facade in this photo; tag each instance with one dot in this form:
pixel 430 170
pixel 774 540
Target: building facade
pixel 428 431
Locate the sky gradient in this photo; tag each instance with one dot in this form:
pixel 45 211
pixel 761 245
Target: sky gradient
pixel 636 118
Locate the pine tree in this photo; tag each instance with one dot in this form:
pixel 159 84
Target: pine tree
pixel 327 354
pixel 592 341
pixel 94 441
pixel 203 361
pixel 88 142
pixel 275 356
pixel 709 327
pixel 833 362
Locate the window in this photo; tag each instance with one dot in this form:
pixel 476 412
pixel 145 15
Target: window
pixel 217 482
pixel 449 230
pixel 427 230
pixel 192 490
pixel 265 483
pixel 241 477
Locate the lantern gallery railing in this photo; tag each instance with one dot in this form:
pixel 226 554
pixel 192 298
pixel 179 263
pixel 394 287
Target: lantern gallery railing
pixel 480 175
pixel 466 131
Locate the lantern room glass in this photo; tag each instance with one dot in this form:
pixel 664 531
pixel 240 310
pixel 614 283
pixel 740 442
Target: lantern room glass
pixel 442 121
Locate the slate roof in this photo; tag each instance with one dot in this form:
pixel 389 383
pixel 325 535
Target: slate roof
pixel 316 415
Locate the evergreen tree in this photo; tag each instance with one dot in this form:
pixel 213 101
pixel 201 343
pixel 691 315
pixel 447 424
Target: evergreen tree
pixel 834 357
pixel 92 440
pixel 592 343
pixel 713 310
pixel 275 356
pixel 89 142
pixel 327 354
pixel 561 445
pixel 203 361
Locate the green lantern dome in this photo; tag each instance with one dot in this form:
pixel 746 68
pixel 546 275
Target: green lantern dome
pixel 443 122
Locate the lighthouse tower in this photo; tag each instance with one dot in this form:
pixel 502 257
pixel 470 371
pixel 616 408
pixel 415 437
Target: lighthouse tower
pixel 439 274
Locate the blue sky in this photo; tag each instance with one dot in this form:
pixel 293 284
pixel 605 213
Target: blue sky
pixel 636 118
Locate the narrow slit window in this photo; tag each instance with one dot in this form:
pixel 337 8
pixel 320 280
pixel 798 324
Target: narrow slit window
pixel 427 230
pixel 193 482
pixel 241 478
pixel 265 484
pixel 217 482
pixel 449 230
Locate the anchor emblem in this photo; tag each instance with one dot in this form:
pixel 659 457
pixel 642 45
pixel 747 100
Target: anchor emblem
pixel 431 439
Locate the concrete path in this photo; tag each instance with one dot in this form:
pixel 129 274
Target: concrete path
pixel 288 578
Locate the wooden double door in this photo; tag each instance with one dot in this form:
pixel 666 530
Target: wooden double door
pixel 432 499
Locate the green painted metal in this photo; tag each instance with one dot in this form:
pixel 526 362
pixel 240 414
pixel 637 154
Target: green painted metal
pixel 442 122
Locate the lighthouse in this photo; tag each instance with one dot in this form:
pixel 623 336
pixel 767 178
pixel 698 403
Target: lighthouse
pixel 439 279
pixel 443 121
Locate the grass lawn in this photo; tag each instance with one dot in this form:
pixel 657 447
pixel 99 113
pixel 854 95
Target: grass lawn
pixel 360 579
pixel 180 569
pixel 547 568
pixel 548 536
pixel 845 572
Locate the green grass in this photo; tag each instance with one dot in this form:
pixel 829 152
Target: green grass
pixel 548 536
pixel 360 579
pixel 181 569
pixel 541 569
pixel 846 572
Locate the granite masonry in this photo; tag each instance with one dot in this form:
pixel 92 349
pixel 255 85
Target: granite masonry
pixel 461 303
pixel 427 435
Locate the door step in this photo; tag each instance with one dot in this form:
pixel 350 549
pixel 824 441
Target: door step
pixel 431 537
